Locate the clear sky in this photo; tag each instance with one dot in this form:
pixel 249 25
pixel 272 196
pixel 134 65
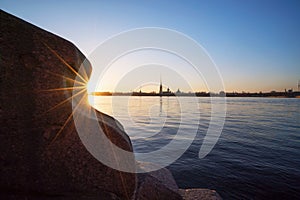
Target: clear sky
pixel 255 44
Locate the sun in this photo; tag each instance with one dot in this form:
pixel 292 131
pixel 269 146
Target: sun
pixel 80 89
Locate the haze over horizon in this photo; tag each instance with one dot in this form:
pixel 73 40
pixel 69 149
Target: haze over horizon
pixel 255 44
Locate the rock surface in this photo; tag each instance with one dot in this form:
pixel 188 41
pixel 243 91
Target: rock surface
pixel 203 194
pixel 158 184
pixel 40 151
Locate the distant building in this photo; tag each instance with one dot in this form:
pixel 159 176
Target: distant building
pixel 160 88
pixel 222 94
pixel 165 93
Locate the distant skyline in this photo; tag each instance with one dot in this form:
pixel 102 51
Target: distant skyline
pixel 255 44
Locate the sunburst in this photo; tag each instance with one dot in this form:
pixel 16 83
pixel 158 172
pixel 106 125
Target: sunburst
pixel 66 64
pixel 79 89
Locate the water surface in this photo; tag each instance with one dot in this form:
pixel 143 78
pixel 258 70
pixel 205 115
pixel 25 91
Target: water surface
pixel 256 157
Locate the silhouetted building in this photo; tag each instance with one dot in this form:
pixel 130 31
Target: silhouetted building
pixel 160 88
pixel 164 93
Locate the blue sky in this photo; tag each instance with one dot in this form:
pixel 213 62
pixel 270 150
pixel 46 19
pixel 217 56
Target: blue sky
pixel 255 44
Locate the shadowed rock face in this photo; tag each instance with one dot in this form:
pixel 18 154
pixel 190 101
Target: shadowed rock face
pixel 40 151
pixel 204 194
pixel 158 184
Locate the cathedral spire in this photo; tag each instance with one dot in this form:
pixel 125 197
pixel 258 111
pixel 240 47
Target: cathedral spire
pixel 160 87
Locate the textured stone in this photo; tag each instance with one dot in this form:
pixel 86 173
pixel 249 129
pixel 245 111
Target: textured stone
pixel 203 194
pixel 158 184
pixel 33 62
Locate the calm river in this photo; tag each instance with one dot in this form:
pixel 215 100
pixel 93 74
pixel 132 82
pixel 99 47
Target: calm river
pixel 256 157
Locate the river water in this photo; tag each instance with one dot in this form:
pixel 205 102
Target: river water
pixel 257 155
